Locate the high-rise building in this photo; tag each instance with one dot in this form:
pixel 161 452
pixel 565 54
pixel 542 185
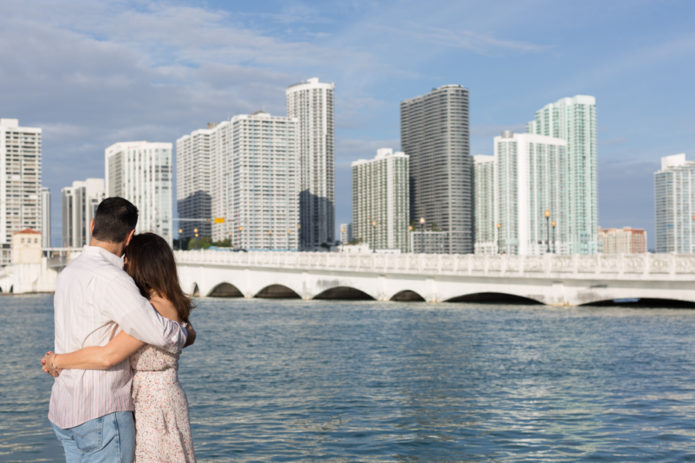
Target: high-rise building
pixel 79 204
pixel 193 182
pixel 485 185
pixel 532 202
pixel 625 240
pixel 311 102
pixel 574 120
pixel 140 172
pixel 45 217
pixel 674 202
pixel 20 182
pixel 256 181
pixel 380 200
pixel 345 233
pixel 435 134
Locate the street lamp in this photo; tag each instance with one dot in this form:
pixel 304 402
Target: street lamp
pixel 499 238
pixel 422 234
pixel 373 240
pixel 195 232
pixel 240 230
pixel 547 227
pixel 553 223
pixel 410 237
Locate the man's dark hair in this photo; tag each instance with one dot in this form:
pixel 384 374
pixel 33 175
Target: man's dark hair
pixel 114 219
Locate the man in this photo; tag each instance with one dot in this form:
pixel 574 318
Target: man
pixel 92 410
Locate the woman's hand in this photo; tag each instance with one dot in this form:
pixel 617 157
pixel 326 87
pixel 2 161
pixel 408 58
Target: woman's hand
pixel 48 364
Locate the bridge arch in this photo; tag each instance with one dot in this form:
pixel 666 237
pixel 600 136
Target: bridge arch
pixel 347 293
pixel 225 289
pixel 195 292
pixel 494 298
pixel 277 291
pixel 407 295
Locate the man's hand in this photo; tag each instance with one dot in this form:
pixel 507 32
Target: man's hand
pixel 48 364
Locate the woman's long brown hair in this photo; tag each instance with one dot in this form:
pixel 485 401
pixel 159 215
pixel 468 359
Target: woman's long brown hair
pixel 150 261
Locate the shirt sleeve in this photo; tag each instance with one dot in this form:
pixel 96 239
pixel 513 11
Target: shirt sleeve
pixel 121 301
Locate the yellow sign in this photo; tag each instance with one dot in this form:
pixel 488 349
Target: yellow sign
pixel 219 219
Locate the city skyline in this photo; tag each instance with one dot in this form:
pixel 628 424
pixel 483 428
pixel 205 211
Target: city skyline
pixel 94 74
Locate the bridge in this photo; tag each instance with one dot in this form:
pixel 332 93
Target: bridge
pixel 548 279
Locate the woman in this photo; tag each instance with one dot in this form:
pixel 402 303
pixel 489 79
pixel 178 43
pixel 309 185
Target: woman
pixel 163 431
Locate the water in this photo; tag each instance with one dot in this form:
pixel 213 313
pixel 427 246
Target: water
pixel 275 380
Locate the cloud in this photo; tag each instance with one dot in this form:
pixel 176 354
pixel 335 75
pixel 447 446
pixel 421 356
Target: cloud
pixel 465 39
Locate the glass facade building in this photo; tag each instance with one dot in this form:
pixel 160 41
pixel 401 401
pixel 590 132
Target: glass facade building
pixel 435 135
pixel 531 198
pixel 574 120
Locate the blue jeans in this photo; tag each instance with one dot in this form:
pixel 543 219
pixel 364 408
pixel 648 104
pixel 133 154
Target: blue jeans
pixel 110 438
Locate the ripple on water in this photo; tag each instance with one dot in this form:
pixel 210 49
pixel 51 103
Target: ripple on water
pixel 272 380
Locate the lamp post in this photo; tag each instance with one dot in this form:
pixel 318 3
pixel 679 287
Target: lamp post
pixel 499 238
pixel 240 230
pixel 180 232
pixel 270 240
pixel 553 223
pixel 373 239
pixel 422 234
pixel 195 232
pixel 547 228
pixel 410 237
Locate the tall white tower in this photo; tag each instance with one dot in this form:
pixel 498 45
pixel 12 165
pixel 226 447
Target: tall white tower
pixel 674 185
pixel 140 172
pixel 574 120
pixel 485 187
pixel 20 182
pixel 193 182
pixel 381 200
pixel 311 102
pixel 532 203
pixel 256 182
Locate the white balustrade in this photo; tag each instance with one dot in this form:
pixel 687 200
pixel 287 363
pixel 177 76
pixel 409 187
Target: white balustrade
pixel 658 266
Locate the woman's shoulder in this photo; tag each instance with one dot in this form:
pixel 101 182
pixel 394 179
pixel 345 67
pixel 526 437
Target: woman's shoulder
pixel 165 307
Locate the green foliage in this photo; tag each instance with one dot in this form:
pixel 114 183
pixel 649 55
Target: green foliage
pixel 199 243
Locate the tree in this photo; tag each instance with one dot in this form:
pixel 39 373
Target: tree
pixel 199 243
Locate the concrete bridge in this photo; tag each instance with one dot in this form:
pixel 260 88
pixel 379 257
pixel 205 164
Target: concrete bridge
pixel 548 279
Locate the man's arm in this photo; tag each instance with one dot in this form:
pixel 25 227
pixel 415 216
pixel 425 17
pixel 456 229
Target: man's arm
pixel 121 301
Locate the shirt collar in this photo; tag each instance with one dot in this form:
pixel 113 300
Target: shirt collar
pixel 101 252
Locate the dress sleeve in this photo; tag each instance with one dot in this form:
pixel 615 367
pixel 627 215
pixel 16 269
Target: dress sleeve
pixel 120 300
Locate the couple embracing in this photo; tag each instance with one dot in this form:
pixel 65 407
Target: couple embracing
pixel 118 337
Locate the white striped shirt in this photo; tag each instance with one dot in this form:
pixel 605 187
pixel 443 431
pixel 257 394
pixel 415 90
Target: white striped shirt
pixel 94 299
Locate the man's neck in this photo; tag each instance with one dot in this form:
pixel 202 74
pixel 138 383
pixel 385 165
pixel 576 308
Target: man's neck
pixel 113 248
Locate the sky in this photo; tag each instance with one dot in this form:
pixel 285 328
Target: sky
pixel 92 73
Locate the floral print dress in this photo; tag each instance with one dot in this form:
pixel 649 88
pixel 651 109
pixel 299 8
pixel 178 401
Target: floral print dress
pixel 162 428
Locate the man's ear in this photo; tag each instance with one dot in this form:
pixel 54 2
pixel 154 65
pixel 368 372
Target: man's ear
pixel 129 237
pixel 91 227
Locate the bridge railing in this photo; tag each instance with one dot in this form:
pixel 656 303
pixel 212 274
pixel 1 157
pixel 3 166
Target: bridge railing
pixel 660 266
